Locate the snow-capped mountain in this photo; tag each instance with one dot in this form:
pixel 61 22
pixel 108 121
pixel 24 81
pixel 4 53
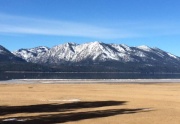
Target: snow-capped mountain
pixel 7 56
pixel 31 55
pixel 97 52
pixel 74 53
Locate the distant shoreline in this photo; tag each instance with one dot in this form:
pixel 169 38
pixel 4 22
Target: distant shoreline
pixel 116 76
pixel 87 81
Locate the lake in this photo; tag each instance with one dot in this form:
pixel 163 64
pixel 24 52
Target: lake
pixel 86 75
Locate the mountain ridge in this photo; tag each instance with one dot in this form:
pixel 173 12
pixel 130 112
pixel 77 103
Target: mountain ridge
pixel 91 57
pixel 6 56
pixel 95 52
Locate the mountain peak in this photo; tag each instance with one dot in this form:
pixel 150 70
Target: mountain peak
pixel 144 47
pixel 7 56
pixel 42 47
pixel 3 50
pixel 31 54
pixel 95 42
pixel 70 43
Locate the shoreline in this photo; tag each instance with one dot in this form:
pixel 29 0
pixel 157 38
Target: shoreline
pixel 88 81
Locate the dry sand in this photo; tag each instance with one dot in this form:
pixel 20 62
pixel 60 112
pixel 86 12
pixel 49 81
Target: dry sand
pixel 123 103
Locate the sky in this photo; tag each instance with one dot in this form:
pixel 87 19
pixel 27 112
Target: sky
pixel 31 23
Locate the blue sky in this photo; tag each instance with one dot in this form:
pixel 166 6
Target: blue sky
pixel 30 23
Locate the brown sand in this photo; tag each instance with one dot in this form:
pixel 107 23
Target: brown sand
pixel 100 103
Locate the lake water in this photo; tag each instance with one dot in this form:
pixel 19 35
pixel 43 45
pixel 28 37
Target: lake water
pixel 86 75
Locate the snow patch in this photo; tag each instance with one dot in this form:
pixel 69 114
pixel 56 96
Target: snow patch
pixel 1 51
pixel 144 47
pixel 171 55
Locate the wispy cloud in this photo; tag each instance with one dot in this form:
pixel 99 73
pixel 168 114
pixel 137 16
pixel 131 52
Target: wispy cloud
pixel 25 25
pixel 125 29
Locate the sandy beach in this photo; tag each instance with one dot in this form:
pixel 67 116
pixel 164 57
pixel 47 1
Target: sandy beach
pixel 96 103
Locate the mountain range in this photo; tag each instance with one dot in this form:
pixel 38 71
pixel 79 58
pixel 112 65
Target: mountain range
pixel 95 56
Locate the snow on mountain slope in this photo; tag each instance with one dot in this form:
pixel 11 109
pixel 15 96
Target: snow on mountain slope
pixel 144 47
pixel 59 54
pixel 171 55
pixel 95 52
pixel 31 55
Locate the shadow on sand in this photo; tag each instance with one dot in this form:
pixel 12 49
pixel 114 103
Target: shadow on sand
pixel 41 108
pixel 64 117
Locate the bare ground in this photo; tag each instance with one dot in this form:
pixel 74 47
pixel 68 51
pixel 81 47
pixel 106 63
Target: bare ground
pixel 123 103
